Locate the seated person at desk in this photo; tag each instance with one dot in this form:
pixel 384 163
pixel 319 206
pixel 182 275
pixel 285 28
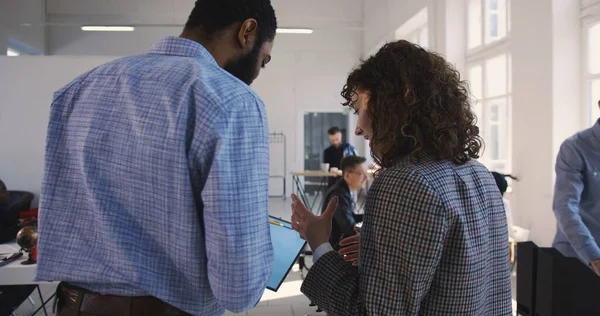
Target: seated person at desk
pixel 8 221
pixel 333 154
pixel 353 178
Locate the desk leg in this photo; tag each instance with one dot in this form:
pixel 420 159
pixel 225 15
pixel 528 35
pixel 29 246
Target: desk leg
pixel 321 193
pixel 301 192
pixel 42 301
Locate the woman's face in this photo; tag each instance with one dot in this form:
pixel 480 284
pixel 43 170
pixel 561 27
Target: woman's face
pixel 359 105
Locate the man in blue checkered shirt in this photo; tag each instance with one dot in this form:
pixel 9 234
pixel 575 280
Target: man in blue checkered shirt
pixel 154 198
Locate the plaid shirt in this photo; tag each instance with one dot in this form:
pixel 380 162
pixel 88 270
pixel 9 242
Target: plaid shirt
pixel 434 242
pixel 156 177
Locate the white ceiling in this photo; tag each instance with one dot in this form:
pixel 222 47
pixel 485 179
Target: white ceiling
pixel 290 13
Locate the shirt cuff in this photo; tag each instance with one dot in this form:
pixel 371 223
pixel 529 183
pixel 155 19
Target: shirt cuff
pixel 321 250
pixel 589 253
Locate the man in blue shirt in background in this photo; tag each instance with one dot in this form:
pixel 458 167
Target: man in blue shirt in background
pixel 577 198
pixel 155 192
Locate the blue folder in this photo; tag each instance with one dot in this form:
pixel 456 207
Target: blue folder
pixel 287 246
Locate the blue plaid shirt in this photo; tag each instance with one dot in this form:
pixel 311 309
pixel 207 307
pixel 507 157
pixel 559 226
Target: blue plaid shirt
pixel 156 183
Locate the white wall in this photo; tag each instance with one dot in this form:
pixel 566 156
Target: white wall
pixel 27 86
pixel 306 74
pixel 383 17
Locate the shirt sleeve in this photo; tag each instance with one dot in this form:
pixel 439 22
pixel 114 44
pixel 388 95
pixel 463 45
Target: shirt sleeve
pixel 401 246
pixel 567 196
pixel 235 200
pixel 321 250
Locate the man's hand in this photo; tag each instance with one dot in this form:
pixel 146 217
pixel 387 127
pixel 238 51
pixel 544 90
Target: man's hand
pixel 596 265
pixel 312 228
pixel 350 248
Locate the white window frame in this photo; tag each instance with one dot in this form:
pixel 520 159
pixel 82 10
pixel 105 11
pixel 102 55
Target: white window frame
pixel 497 42
pixel 590 16
pixel 478 56
pixel 484 122
pixel 12 52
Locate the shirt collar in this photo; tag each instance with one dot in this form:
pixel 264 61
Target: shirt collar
pixel 178 46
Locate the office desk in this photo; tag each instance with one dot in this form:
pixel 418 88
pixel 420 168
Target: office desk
pixel 298 188
pixel 16 273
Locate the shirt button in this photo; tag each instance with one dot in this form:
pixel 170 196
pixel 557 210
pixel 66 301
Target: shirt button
pixel 595 174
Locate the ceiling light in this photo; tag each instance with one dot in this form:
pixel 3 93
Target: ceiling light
pixel 108 28
pixel 294 31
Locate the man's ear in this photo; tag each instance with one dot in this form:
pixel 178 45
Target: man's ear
pixel 248 33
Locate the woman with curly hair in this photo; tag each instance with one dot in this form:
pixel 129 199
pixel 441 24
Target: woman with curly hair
pixel 434 237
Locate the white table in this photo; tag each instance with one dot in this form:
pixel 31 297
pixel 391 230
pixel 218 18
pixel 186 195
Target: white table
pixel 15 273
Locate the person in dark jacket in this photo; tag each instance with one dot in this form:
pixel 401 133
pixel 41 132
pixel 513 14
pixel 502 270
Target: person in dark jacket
pixel 353 178
pixel 339 149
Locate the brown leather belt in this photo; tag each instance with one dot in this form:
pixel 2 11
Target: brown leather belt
pixel 75 301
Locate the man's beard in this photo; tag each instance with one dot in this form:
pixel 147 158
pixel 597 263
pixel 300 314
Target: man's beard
pixel 245 67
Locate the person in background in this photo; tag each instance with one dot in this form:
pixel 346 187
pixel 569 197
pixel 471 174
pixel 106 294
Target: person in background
pixel 434 239
pixel 8 221
pixel 502 184
pixel 353 178
pixel 155 191
pixel 576 202
pixel 333 154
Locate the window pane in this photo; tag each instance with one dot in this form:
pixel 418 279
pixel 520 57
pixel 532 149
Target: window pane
pixel 475 82
pixel 494 143
pixel 497 123
pixel 595 95
pixel 495 20
pixel 508 16
pixel 474 23
pixel 496 76
pixel 494 115
pixel 594 49
pixel 424 38
pixel 509 73
pixel 476 86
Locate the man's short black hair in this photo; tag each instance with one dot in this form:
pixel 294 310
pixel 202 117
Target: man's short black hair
pixel 350 162
pixel 501 181
pixel 334 130
pixel 212 16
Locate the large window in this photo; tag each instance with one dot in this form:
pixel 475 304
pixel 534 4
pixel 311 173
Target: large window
pixel 592 72
pixel 489 73
pixel 490 81
pixel 12 52
pixel 488 21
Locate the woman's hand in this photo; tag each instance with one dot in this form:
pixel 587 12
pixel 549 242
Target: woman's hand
pixel 350 248
pixel 312 228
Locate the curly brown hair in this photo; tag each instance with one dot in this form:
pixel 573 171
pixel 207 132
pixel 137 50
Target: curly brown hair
pixel 418 104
